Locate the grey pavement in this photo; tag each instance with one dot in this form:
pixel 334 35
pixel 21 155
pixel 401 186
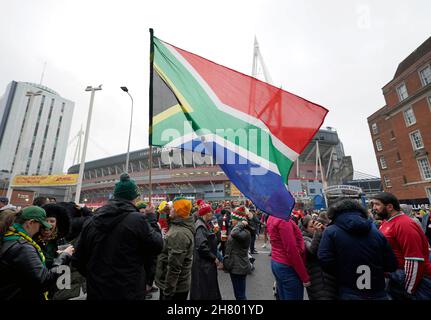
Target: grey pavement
pixel 259 284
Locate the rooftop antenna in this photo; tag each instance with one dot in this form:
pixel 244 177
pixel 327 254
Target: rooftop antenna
pixel 43 73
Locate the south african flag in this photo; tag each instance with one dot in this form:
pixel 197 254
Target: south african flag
pixel 253 130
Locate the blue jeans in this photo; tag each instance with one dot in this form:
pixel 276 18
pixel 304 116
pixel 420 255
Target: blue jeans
pixel 238 283
pixel 289 286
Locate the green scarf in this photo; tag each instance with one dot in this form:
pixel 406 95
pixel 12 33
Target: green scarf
pixel 17 232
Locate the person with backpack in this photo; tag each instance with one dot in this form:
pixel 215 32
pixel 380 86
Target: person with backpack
pixel 114 245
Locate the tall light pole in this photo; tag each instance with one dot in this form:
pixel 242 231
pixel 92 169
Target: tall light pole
pixel 84 151
pixel 30 95
pixel 130 129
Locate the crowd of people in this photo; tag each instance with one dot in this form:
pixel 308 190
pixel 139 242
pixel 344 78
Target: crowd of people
pixel 129 249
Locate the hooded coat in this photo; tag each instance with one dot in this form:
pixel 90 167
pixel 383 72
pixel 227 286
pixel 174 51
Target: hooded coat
pixel 204 285
pixel 174 264
pixel 350 245
pixel 236 260
pixel 112 249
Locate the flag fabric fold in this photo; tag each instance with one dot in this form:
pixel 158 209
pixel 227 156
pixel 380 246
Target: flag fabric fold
pixel 252 130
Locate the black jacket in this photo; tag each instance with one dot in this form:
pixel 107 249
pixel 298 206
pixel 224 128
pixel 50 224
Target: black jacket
pixel 204 284
pixel 22 274
pixel 236 259
pixel 323 285
pixel 353 241
pixel 112 249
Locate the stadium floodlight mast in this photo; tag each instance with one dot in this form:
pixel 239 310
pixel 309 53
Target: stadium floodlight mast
pixel 84 151
pixel 130 129
pixel 30 95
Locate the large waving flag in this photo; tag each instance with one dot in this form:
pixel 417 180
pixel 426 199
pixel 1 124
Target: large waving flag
pixel 254 131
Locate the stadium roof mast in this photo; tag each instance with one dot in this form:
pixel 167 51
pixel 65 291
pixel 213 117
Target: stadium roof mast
pixel 257 58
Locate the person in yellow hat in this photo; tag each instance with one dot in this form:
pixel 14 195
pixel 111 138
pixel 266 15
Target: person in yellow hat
pixel 164 211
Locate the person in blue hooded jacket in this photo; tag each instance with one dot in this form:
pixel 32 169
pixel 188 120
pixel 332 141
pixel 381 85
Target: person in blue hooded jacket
pixel 355 252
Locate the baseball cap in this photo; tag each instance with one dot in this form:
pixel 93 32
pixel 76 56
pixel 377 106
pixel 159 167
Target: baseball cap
pixel 36 213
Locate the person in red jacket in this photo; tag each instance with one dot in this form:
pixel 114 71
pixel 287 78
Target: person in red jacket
pixel 412 280
pixel 288 258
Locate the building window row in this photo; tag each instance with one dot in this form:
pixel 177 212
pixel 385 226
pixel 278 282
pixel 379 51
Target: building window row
pixel 402 92
pixel 45 135
pixel 425 75
pixel 383 163
pixel 416 140
pixel 56 140
pixel 36 129
pixel 374 128
pixel 379 145
pixel 409 117
pixel 425 168
pixel 387 181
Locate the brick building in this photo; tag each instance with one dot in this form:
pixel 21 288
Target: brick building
pixel 401 130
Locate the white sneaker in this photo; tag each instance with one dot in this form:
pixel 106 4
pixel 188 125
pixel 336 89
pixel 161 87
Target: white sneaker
pixel 264 245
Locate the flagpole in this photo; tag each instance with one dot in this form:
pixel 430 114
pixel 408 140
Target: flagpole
pixel 150 107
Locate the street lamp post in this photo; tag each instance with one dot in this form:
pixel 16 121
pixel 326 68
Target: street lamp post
pixel 30 95
pixel 130 129
pixel 84 151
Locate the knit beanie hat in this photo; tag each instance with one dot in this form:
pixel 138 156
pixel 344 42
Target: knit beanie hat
pixel 239 214
pixel 126 188
pixel 182 206
pixel 162 205
pixel 199 202
pixel 141 204
pixel 204 209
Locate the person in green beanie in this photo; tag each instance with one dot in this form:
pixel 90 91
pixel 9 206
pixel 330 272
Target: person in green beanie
pixel 22 259
pixel 115 244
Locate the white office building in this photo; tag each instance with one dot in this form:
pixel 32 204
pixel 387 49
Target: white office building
pixel 34 129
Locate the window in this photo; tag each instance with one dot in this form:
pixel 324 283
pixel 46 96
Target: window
pixel 402 92
pixel 425 75
pixel 416 139
pixel 374 128
pixel 383 163
pixel 429 102
pixel 379 145
pixel 429 193
pixel 387 182
pixel 312 191
pixel 398 157
pixel 405 179
pixel 425 168
pixel 409 117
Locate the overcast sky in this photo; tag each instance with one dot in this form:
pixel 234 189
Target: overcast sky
pixel 337 53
